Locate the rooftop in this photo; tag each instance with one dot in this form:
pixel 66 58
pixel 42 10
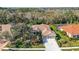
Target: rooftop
pixel 71 28
pixel 3 43
pixel 43 28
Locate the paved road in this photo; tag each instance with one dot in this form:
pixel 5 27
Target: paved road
pixel 51 44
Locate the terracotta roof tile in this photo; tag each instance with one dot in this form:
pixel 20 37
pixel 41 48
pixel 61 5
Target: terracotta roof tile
pixel 43 28
pixel 3 43
pixel 71 28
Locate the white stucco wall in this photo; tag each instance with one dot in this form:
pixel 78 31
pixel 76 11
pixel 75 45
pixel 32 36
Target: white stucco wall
pixel 69 35
pixel 61 29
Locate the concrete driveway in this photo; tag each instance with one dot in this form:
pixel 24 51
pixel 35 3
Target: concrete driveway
pixel 51 44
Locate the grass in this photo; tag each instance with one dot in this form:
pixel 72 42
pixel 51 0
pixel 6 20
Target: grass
pixel 32 46
pixel 38 46
pixel 75 49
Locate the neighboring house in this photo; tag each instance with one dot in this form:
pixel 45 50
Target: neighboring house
pixel 48 37
pixel 5 27
pixel 3 43
pixel 72 30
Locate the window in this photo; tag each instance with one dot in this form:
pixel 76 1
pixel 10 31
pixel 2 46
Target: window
pixel 74 36
pixel 77 36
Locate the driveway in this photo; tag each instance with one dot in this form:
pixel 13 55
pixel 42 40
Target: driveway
pixel 51 44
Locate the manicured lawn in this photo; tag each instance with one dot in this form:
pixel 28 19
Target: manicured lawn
pixel 77 49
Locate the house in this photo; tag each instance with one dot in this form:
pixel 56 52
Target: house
pixel 48 37
pixel 3 43
pixel 43 28
pixel 72 30
pixel 5 27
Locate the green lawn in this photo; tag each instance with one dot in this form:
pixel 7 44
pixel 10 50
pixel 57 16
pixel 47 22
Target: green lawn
pixel 38 46
pixel 75 49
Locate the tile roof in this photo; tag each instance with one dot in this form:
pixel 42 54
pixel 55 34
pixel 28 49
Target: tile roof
pixel 5 27
pixel 71 28
pixel 3 43
pixel 43 28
